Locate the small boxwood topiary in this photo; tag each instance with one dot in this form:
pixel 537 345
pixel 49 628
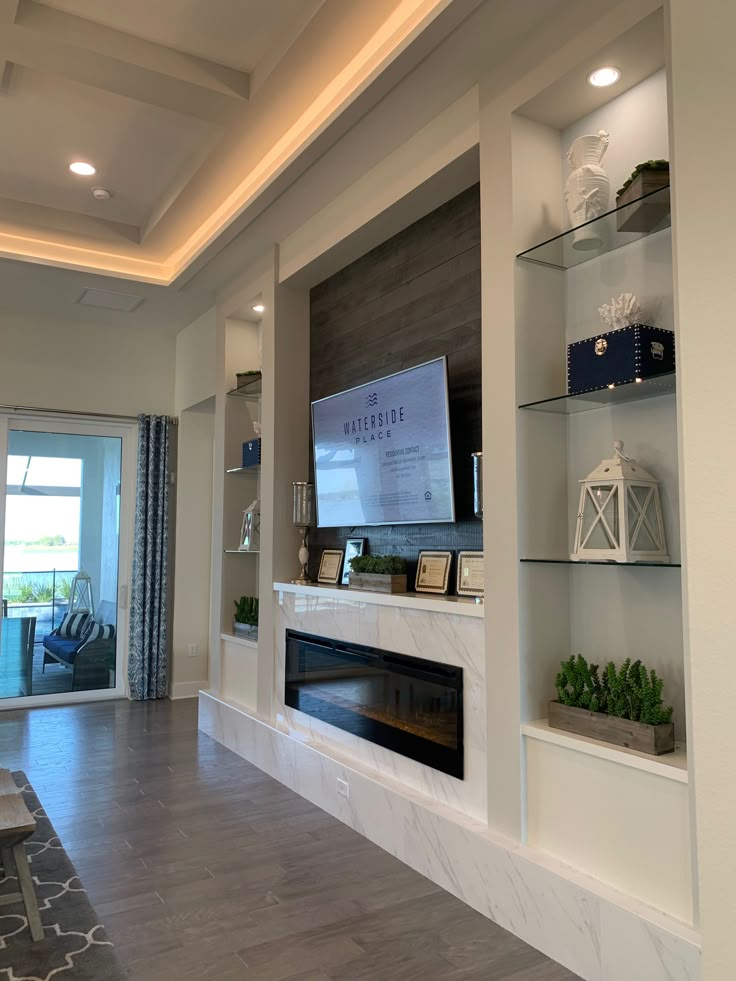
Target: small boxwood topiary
pixel 378 565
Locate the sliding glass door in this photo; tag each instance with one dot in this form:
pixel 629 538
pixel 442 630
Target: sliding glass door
pixel 66 542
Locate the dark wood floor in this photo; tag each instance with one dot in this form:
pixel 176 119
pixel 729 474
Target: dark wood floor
pixel 202 867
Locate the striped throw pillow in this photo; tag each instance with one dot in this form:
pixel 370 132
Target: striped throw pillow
pixel 98 631
pixel 73 624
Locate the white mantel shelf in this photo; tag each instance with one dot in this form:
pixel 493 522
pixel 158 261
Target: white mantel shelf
pixel 451 605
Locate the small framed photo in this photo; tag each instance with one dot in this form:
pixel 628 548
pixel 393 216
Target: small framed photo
pixel 353 548
pixel 433 572
pixel 330 566
pixel 470 574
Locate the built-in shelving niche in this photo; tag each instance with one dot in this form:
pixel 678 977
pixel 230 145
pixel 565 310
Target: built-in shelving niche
pixel 241 485
pixel 563 438
pixel 602 610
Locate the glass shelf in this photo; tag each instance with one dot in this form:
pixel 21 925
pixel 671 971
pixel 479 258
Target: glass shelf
pixel 251 389
pixel 560 252
pixel 256 468
pixel 242 551
pixel 648 388
pixel 632 565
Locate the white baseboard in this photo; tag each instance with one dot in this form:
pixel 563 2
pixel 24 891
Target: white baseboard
pixel 187 689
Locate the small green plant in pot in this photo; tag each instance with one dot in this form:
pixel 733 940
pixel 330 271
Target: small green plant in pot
pixel 379 573
pixel 246 615
pixel 623 706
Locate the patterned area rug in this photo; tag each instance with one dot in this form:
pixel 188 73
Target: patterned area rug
pixel 75 946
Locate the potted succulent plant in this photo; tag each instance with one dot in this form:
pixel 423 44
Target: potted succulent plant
pixel 379 573
pixel 647 208
pixel 246 616
pixel 621 706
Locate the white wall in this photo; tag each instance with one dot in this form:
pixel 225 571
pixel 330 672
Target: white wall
pixel 61 364
pixel 195 361
pixel 193 558
pixel 195 404
pixel 637 124
pixel 628 828
pixel 366 213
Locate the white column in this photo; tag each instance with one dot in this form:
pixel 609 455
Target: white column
pixel 703 140
pixel 500 531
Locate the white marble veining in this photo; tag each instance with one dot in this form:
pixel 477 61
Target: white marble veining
pixel 596 932
pixel 434 636
pixel 459 606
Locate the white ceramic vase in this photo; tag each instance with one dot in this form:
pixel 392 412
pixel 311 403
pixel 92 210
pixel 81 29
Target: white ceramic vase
pixel 588 188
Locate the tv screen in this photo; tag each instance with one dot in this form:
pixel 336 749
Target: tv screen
pixel 382 451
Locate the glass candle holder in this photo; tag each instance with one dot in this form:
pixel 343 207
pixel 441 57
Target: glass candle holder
pixel 303 504
pixel 303 518
pixel 478 484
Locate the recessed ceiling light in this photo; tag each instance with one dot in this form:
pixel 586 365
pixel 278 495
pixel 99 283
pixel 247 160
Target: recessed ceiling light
pixel 258 307
pixel 601 77
pixel 82 168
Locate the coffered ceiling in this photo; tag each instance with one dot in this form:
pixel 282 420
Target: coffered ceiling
pixel 191 111
pixel 236 33
pixel 218 126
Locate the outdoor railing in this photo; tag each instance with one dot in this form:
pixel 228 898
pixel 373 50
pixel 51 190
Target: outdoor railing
pixel 43 594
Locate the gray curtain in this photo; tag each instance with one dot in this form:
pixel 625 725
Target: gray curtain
pixel 148 663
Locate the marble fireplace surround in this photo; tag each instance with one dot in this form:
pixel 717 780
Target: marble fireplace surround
pixel 455 638
pixel 594 931
pixel 432 822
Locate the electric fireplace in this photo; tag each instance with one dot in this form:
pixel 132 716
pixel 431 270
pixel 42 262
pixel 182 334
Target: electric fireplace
pixel 406 704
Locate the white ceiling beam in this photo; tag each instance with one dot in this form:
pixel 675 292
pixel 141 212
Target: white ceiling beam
pixel 74 48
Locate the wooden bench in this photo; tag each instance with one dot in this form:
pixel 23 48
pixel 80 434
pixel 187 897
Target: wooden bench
pixel 16 825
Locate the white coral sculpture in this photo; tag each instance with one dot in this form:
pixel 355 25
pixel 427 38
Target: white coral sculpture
pixel 621 312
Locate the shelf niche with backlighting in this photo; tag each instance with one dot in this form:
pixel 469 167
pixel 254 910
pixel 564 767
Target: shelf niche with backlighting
pixel 561 284
pixel 604 610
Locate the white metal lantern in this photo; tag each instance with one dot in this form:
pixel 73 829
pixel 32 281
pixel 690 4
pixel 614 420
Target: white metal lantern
pixel 620 515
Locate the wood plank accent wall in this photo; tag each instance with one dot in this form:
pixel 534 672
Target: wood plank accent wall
pixel 411 299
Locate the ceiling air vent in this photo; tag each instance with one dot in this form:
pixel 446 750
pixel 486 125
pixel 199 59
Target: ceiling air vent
pixel 107 300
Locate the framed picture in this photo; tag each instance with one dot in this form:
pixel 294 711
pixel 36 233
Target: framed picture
pixel 353 548
pixel 433 572
pixel 470 575
pixel 330 565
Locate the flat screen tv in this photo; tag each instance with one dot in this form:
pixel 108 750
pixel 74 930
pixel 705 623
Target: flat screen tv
pixel 382 451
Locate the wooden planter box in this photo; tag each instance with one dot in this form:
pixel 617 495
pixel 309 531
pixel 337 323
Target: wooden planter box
pixel 646 215
pixel 376 583
pixel 610 729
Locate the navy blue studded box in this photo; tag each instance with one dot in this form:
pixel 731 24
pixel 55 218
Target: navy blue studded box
pixel 252 453
pixel 618 357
